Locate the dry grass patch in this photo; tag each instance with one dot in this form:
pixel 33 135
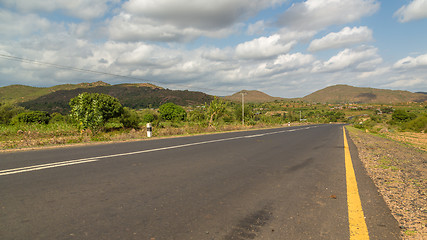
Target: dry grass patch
pixel 418 140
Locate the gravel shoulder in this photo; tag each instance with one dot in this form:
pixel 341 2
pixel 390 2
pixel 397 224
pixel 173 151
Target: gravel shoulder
pixel 400 173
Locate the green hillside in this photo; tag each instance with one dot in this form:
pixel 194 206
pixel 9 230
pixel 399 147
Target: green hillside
pixel 349 94
pixel 135 96
pixel 22 93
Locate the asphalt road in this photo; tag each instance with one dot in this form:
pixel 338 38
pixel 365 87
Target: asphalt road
pixel 287 183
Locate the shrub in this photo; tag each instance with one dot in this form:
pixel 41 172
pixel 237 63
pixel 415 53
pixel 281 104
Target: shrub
pixel 402 116
pixel 148 118
pixel 113 123
pixel 8 111
pixel 418 125
pixel 32 117
pixel 130 118
pixel 56 117
pixel 173 112
pixel 91 110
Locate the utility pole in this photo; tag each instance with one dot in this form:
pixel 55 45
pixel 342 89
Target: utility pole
pixel 300 116
pixel 243 107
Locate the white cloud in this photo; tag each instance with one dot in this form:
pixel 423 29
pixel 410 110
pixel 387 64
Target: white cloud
pixel 14 25
pixel 217 54
pixel 407 82
pixel 138 31
pixel 263 47
pixel 284 64
pixel 346 37
pixel 409 73
pixel 288 35
pixel 171 20
pixel 256 28
pixel 318 14
pixel 83 9
pixel 199 14
pixel 292 61
pixel 417 9
pixel 80 30
pixel 375 73
pixel 126 27
pixel 411 62
pixel 360 59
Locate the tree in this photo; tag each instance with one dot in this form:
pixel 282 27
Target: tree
pixel 402 116
pixel 130 118
pixel 172 112
pixel 92 110
pixel 8 111
pixel 215 110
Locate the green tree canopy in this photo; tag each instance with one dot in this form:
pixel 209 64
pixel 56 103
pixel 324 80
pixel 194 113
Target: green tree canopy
pixel 171 111
pixel 92 110
pixel 8 111
pixel 402 116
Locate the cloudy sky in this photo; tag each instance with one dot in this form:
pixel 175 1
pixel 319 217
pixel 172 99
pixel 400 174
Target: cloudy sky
pixel 282 47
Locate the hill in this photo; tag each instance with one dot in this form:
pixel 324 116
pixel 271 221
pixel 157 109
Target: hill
pixel 135 96
pixel 22 93
pixel 349 94
pixel 252 97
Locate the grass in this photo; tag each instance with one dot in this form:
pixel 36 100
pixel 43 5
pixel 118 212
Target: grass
pixel 414 140
pixel 410 232
pixel 386 163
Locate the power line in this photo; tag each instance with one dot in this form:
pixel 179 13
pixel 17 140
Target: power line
pixel 69 68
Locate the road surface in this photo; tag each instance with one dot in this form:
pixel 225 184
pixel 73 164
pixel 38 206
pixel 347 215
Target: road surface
pixel 286 183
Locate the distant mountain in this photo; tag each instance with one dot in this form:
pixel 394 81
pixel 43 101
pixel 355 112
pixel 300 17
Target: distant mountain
pixel 349 94
pixel 22 93
pixel 135 96
pixel 252 96
pixel 421 92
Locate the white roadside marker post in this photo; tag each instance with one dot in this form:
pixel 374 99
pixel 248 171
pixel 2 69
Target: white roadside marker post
pixel 149 130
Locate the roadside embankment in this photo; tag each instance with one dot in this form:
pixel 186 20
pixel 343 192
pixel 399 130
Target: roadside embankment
pixel 399 171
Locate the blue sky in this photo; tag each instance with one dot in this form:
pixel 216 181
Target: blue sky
pixel 281 47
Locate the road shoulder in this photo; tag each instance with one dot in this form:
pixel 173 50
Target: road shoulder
pixel 399 174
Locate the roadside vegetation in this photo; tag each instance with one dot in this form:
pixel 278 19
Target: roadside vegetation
pixel 98 117
pixel 406 123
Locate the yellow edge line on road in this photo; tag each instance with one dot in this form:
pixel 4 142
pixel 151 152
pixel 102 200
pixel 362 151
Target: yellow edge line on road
pixel 356 218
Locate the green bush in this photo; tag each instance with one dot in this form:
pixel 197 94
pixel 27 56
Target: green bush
pixel 238 113
pixel 130 118
pixel 148 118
pixel 92 110
pixel 172 112
pixel 334 116
pixel 32 117
pixel 113 123
pixel 402 116
pixel 56 117
pixel 8 111
pixel 418 125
